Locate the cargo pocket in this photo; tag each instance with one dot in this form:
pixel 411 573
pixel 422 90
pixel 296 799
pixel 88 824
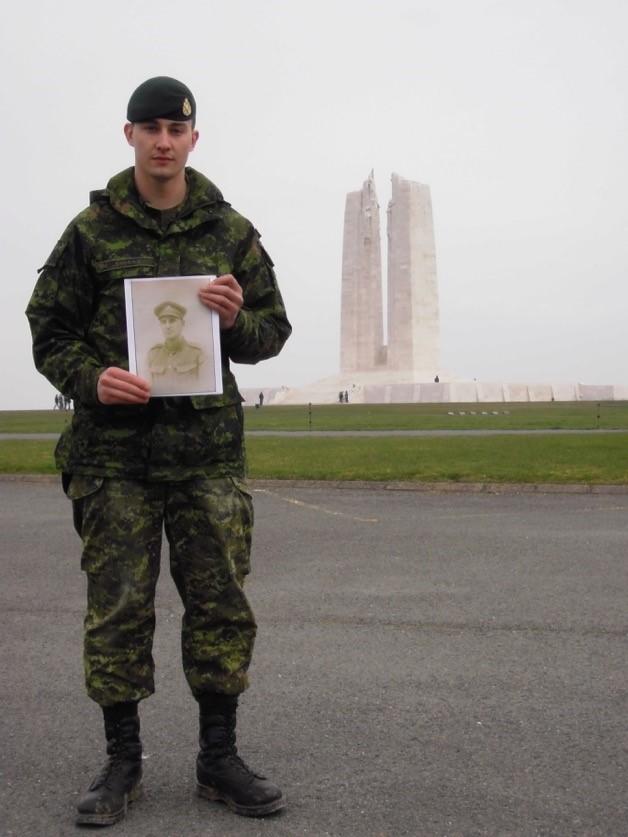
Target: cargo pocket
pixel 244 525
pixel 77 487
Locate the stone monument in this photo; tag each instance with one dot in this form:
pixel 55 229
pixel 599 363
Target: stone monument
pixel 413 351
pixel 404 367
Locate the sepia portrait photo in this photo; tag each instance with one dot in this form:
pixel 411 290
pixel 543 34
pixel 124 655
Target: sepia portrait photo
pixel 173 339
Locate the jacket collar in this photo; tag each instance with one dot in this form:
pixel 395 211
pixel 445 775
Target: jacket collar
pixel 202 202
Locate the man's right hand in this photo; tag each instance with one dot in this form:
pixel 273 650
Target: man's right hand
pixel 117 386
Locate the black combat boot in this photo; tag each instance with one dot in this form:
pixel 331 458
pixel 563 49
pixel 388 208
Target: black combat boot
pixel 221 774
pixel 120 780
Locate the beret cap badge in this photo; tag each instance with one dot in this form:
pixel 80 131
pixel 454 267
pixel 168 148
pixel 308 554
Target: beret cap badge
pixel 161 97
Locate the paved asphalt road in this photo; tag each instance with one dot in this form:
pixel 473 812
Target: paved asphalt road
pixel 427 664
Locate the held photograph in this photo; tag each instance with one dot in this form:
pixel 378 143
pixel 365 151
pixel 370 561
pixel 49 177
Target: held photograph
pixel 173 339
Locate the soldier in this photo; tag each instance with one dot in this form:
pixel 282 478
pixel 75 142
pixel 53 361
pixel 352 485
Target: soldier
pixel 132 464
pixel 175 360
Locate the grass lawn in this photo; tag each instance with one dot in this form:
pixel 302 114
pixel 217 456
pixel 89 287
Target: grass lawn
pixel 27 457
pixel 599 459
pixel 595 459
pixel 579 415
pixel 34 421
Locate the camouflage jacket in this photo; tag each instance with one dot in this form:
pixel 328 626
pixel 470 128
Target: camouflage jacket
pixel 78 323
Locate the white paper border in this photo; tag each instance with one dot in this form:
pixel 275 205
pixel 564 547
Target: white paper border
pixel 131 342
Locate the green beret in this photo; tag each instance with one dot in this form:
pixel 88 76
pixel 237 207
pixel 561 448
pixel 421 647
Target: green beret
pixel 169 309
pixel 161 98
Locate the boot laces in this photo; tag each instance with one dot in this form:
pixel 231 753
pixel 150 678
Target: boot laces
pixel 105 777
pixel 230 754
pixel 242 767
pixel 225 749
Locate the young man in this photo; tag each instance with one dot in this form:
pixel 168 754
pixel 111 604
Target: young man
pixel 133 464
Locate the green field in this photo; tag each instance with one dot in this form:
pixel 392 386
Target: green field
pixel 593 458
pixel 34 421
pixel 521 459
pixel 588 458
pixel 582 415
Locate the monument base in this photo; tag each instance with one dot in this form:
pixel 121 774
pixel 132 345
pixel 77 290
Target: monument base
pixel 388 387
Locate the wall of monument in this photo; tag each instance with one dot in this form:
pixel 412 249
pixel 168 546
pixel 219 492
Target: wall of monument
pixel 486 393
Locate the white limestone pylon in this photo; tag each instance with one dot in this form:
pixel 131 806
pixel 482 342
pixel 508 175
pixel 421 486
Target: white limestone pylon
pixel 361 324
pixel 413 310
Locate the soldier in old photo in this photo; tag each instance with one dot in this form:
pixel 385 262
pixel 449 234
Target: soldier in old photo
pixel 176 360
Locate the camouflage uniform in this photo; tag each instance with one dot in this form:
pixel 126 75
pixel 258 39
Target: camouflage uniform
pixel 174 461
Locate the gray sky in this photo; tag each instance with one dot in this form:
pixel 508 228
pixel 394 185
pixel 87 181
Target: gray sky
pixel 515 112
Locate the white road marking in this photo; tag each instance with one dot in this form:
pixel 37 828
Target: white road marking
pixel 332 512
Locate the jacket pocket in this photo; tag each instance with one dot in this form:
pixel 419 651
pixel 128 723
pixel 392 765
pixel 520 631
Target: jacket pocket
pixel 208 402
pixel 78 487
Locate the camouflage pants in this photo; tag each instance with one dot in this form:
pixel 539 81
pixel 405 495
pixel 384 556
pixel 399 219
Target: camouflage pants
pixel 208 525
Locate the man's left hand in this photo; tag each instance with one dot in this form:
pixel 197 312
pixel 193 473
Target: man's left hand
pixel 223 295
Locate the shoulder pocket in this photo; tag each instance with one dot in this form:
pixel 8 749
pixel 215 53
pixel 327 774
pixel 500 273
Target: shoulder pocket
pixel 58 250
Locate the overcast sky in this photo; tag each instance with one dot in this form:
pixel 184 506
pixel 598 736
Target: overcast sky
pixel 515 112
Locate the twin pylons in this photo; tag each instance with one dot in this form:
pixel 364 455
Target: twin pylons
pixel 413 347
